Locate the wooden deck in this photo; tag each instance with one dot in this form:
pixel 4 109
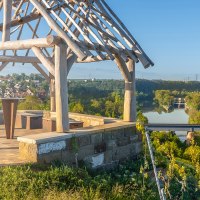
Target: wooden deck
pixel 9 149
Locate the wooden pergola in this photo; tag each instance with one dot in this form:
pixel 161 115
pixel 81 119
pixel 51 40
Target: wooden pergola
pixel 55 34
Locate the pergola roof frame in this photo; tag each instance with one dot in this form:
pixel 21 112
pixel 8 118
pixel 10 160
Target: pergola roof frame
pixel 79 31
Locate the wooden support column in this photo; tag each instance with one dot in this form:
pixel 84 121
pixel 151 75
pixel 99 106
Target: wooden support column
pixel 62 118
pixel 130 95
pixel 7 12
pixel 52 93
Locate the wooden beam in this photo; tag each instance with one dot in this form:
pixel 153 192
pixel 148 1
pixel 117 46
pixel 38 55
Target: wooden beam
pixel 31 17
pixel 3 65
pixel 130 95
pixel 7 12
pixel 70 61
pixel 94 59
pixel 44 60
pixel 20 59
pixel 62 118
pixel 144 62
pixel 28 44
pixel 52 93
pixel 41 71
pixel 75 48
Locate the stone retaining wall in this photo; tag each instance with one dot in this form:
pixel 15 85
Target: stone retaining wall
pixel 88 120
pixel 96 148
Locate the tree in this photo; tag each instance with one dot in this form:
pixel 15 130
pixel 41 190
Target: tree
pixel 164 97
pixel 31 103
pixel 77 107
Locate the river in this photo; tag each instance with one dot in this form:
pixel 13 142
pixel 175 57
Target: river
pixel 178 116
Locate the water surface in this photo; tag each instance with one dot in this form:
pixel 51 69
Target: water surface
pixel 178 116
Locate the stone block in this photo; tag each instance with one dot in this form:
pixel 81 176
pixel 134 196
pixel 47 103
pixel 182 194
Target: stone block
pixel 134 138
pixel 107 136
pixel 123 152
pixel 138 147
pixel 123 141
pixel 50 157
pixel 110 144
pixel 68 157
pixel 99 148
pixel 108 156
pixel 28 151
pixel 117 134
pixel 94 161
pixel 68 142
pixel 49 147
pixel 129 131
pixel 84 140
pixel 85 151
pixel 96 138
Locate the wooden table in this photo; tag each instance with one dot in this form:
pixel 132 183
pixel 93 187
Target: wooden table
pixel 9 113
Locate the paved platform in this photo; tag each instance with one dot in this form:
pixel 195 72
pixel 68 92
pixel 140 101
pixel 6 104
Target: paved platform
pixel 9 149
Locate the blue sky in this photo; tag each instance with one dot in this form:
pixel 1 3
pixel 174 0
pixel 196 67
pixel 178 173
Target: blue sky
pixel 168 31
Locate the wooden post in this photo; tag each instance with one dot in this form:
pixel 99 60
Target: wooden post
pixel 9 113
pixel 7 12
pixel 130 95
pixel 52 93
pixel 62 118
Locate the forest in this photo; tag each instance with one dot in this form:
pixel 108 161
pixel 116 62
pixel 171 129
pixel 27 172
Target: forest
pixel 105 97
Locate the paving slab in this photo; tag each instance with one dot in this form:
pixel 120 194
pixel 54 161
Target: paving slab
pixel 9 148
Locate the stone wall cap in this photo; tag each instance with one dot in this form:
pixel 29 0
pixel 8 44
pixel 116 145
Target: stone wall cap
pixel 102 128
pixel 44 138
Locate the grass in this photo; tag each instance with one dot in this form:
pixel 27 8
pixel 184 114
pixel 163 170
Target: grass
pixel 62 182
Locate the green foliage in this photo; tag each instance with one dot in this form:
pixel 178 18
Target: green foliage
pixel 164 97
pixel 181 178
pixel 62 182
pixel 76 107
pixel 192 100
pixel 192 153
pixel 109 106
pixel 193 106
pixel 33 103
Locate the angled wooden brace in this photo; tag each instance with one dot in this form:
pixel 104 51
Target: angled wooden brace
pixel 45 61
pixel 41 71
pixel 3 65
pixel 123 68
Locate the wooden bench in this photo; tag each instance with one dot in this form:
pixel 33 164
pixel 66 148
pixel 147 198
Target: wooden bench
pixel 29 121
pixel 49 124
